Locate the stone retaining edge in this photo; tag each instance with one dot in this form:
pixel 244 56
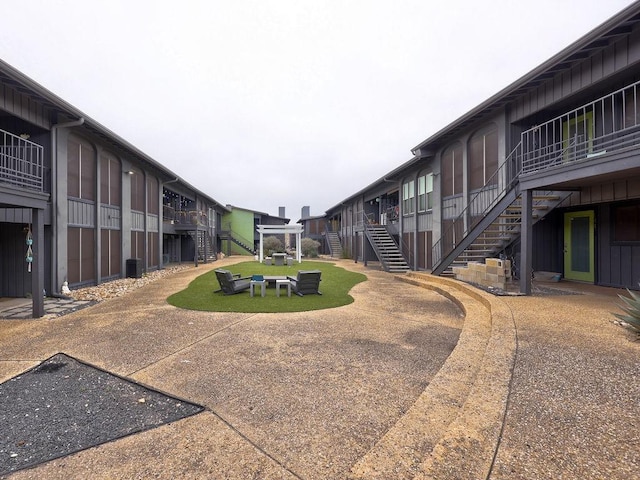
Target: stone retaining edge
pixel 468 448
pixel 406 448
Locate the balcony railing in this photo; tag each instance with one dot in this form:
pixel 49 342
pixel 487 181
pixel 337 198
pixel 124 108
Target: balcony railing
pixel 184 217
pixel 605 125
pixel 21 162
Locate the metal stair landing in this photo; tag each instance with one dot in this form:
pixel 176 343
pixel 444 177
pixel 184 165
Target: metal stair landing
pixel 500 228
pixel 386 249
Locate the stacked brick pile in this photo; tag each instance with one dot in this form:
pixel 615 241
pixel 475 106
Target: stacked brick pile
pixel 493 273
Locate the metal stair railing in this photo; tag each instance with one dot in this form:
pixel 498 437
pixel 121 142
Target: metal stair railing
pixel 21 162
pixel 482 201
pixel 238 239
pixel 368 229
pixel 505 199
pixel 329 234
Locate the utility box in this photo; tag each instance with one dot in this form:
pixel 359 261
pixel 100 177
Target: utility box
pixel 134 268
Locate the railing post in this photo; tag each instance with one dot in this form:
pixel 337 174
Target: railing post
pixel 526 246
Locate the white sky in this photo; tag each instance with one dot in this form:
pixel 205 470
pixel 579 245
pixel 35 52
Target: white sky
pixel 268 103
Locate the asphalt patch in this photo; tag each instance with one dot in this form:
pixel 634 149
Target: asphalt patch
pixel 63 406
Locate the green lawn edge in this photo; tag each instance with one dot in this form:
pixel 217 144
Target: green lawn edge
pixel 335 286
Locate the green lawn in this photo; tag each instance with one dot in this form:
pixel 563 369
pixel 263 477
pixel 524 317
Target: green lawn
pixel 335 286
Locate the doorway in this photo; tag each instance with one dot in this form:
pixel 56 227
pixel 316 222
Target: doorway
pixel 579 246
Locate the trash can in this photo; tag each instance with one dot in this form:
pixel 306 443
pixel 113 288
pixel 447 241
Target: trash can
pixel 134 268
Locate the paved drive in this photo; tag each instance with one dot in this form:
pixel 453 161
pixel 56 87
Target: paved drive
pixel 369 390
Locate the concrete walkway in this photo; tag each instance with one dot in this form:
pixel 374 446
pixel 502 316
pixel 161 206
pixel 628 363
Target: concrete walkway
pixel 399 384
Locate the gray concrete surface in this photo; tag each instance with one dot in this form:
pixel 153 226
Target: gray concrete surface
pixel 399 384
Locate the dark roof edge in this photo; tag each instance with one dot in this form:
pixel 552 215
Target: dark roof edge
pixel 583 41
pixel 72 111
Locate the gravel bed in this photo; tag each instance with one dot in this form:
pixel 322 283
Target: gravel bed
pixel 118 288
pixel 63 406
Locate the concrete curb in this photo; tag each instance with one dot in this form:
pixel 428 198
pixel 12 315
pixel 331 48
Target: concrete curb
pixel 454 427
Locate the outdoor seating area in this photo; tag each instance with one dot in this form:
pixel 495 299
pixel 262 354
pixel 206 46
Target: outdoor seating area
pixel 306 282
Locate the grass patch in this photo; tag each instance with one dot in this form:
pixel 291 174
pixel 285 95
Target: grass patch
pixel 335 286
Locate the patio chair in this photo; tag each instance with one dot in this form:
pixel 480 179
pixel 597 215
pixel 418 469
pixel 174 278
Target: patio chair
pixel 231 283
pixel 306 282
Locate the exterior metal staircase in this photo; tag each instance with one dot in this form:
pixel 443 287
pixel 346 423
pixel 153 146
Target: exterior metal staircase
pixel 205 246
pixel 239 240
pixel 386 248
pixel 335 246
pixel 492 220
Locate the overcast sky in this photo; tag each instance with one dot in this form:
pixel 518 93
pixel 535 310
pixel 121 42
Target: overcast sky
pixel 269 103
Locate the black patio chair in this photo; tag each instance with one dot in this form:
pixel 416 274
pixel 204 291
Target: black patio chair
pixel 306 282
pixel 231 283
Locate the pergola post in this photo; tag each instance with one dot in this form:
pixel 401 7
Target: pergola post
pixel 261 237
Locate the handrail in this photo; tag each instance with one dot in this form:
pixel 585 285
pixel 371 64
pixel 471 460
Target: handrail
pixel 609 123
pixel 327 232
pixel 21 162
pixel 367 222
pixel 236 237
pixel 482 201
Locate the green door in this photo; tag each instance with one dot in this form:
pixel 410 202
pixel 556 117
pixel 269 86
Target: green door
pixel 579 246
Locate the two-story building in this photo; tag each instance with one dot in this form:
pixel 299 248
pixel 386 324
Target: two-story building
pixel 79 204
pixel 546 172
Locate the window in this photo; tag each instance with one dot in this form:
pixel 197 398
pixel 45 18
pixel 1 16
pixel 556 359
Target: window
pixel 81 170
pixel 626 223
pixel 137 191
pixel 110 180
pixel 483 158
pixel 408 194
pixel 425 192
pixel 153 199
pixel 452 171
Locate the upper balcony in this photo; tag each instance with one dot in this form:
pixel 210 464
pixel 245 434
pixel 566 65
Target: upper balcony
pixel 593 143
pixel 184 219
pixel 21 162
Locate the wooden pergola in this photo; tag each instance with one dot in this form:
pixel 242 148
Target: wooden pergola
pixel 282 229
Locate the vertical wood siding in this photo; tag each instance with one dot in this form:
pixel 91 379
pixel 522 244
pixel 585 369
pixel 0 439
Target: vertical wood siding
pixel 110 217
pixel 81 213
pixel 137 221
pixel 615 58
pixel 15 281
pixel 618 265
pixel 24 107
pixel 153 223
pixel 15 215
pixel 605 192
pixel 425 222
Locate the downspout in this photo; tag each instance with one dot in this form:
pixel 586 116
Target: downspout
pixel 54 196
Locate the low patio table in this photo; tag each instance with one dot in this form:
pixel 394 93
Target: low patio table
pixel 281 283
pixel 271 279
pixel 263 286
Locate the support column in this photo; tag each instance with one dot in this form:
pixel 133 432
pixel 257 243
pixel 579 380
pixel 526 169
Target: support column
pixel 261 247
pixel 37 266
pixel 526 245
